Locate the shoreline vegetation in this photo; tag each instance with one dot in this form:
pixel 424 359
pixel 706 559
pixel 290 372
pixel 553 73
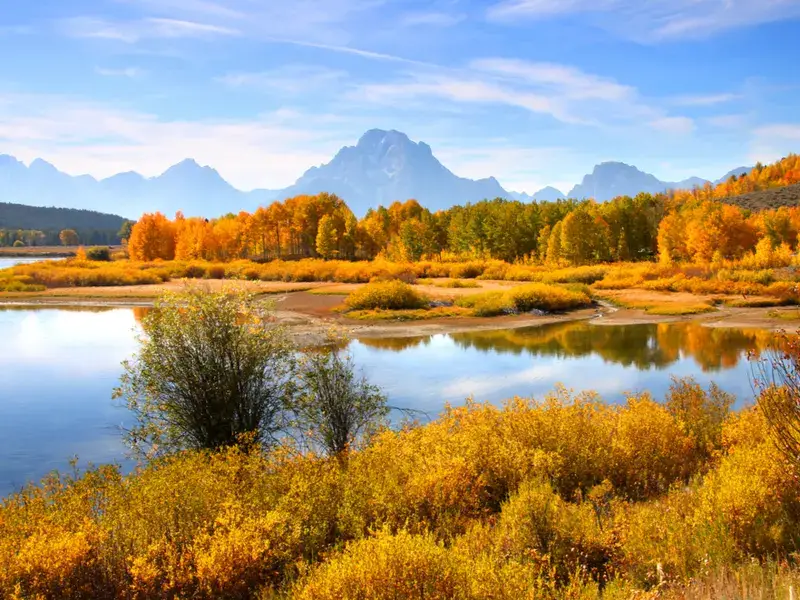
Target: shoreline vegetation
pixel 443 297
pixel 562 497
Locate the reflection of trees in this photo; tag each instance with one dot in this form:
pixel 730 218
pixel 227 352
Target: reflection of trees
pixel 396 344
pixel 140 312
pixel 642 346
pixel 58 307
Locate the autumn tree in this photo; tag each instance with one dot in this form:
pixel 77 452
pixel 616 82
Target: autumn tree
pixel 68 237
pixel 152 237
pixel 554 245
pixel 578 237
pixel 326 237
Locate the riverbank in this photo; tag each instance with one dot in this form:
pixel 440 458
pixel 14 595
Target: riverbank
pixel 310 309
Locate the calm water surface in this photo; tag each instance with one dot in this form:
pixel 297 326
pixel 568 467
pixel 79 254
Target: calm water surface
pixel 10 261
pixel 58 368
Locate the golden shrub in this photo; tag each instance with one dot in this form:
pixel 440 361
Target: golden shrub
pixel 387 295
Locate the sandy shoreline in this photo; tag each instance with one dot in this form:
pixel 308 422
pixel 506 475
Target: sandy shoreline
pixel 309 316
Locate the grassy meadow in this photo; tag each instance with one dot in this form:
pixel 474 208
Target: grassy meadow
pixel 385 290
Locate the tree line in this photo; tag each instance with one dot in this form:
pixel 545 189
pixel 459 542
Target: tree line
pixel 42 226
pixel 683 225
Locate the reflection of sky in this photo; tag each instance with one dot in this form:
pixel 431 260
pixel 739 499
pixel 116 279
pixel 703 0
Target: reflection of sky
pixel 58 369
pixel 18 260
pixel 425 376
pixel 57 372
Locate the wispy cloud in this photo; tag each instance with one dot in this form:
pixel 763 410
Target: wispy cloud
pixel 335 22
pixel 673 125
pixel 783 131
pixel 347 50
pixel 79 137
pixel 705 100
pixel 432 19
pixel 566 93
pixel 192 8
pixel 517 167
pixel 774 141
pixel 291 79
pixel 129 72
pixel 458 89
pixel 727 121
pixel 133 31
pixel 654 20
pixel 569 81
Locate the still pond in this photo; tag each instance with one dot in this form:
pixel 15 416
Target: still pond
pixel 58 368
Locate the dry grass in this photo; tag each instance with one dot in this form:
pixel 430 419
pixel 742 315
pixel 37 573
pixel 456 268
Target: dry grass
pixel 659 303
pixel 421 314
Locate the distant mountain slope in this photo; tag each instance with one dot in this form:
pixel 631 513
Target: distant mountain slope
pixel 385 166
pixel 547 194
pixel 738 172
pixel 187 186
pixel 773 198
pixel 611 179
pixel 382 167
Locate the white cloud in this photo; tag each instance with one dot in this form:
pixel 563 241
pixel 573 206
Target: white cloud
pixel 347 50
pixel 783 131
pixel 727 121
pixel 517 168
pixel 458 89
pixel 432 19
pixel 290 79
pixel 653 20
pixel 190 7
pixel 334 22
pixel 704 100
pixel 772 142
pixel 570 81
pixel 81 137
pixel 673 125
pixel 131 32
pixel 563 92
pixel 129 72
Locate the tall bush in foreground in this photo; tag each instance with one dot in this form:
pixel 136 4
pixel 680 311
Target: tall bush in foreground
pixel 210 370
pixel 335 405
pixel 777 379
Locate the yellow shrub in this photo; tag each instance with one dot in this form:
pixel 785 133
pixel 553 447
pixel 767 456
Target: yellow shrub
pixel 388 567
pixel 650 451
pixel 244 552
pixel 525 298
pixel 388 295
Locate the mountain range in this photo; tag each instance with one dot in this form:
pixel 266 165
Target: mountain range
pixel 382 167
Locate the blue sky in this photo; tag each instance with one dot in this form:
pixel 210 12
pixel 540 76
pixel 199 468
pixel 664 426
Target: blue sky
pixel 534 92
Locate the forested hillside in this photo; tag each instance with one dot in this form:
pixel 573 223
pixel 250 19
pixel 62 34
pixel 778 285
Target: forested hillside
pixel 39 226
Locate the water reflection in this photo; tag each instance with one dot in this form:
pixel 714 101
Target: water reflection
pixel 424 372
pixel 58 368
pixel 641 346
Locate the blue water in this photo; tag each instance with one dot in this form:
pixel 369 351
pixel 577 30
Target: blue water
pixel 10 261
pixel 58 368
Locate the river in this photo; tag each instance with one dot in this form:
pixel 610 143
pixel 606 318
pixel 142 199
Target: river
pixel 58 368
